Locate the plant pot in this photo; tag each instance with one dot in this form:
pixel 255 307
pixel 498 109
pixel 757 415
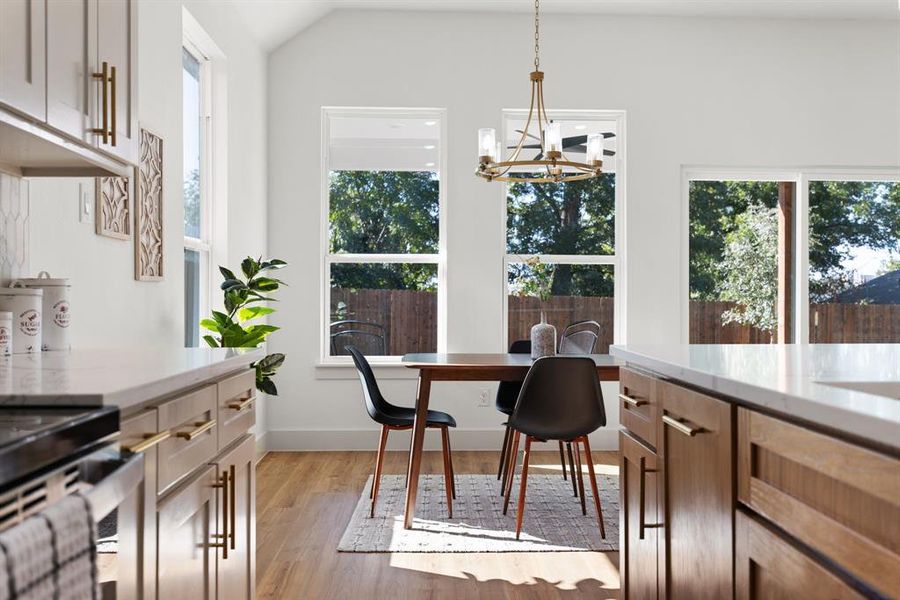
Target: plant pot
pixel 543 339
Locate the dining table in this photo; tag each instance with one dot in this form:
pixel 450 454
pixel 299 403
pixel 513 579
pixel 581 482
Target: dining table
pixel 468 367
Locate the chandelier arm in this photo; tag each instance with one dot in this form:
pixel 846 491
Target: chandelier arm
pixel 523 138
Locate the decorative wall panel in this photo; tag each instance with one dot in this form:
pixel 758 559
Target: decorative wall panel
pixel 148 220
pixel 14 228
pixel 113 207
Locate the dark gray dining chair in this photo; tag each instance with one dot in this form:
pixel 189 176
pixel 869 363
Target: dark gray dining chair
pixel 560 401
pixel 367 336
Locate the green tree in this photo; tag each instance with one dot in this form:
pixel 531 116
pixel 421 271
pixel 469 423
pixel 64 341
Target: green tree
pixel 192 204
pixel 749 268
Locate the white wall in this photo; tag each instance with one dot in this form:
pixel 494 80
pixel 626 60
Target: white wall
pixel 110 307
pixel 696 92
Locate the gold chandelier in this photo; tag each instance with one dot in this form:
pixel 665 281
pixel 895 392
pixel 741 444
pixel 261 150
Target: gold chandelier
pixel 551 165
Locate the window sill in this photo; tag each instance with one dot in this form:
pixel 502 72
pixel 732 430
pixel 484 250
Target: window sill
pixel 383 370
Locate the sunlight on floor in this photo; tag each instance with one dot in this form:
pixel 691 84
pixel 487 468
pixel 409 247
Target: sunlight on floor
pixel 599 469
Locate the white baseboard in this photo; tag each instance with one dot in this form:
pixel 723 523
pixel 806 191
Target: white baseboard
pixel 262 446
pixel 367 439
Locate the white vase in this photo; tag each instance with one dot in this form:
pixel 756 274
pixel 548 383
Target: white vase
pixel 543 339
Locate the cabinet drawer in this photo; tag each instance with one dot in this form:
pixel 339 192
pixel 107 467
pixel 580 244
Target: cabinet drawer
pixel 191 419
pixel 768 567
pixel 838 498
pixel 638 404
pixel 236 406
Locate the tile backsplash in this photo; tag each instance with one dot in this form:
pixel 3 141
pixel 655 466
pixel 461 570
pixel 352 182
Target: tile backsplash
pixel 14 215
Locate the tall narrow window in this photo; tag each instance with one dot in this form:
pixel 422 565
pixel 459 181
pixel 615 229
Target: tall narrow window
pixel 561 239
pixel 197 229
pixel 382 265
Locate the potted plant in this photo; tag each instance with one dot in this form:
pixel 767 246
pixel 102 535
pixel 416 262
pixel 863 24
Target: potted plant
pixel 235 328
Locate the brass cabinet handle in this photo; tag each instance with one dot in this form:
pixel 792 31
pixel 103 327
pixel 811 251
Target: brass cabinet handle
pixel 201 427
pixel 150 440
pixel 239 406
pixel 103 76
pixel 112 93
pixel 233 528
pixel 632 401
pixel 223 485
pixel 680 427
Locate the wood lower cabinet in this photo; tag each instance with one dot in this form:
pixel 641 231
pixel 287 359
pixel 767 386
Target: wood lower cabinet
pixel 639 527
pixel 186 562
pixel 236 522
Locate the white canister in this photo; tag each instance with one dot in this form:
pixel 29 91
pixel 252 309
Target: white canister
pixel 56 309
pixel 5 332
pixel 25 306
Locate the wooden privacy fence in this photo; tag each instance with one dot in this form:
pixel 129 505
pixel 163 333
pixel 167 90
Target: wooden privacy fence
pixel 410 319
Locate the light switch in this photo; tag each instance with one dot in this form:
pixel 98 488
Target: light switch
pixel 85 205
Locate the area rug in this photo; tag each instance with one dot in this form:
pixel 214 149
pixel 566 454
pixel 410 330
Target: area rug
pixel 553 520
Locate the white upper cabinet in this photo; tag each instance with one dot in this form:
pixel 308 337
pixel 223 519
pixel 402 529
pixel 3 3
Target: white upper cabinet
pixel 23 57
pixel 71 54
pixel 117 47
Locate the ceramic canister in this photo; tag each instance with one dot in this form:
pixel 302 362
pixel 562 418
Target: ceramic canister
pixel 25 306
pixel 5 332
pixel 55 309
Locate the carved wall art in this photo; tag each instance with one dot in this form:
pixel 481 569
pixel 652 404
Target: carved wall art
pixel 148 217
pixel 113 207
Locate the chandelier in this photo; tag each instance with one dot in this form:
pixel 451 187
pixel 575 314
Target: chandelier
pixel 550 165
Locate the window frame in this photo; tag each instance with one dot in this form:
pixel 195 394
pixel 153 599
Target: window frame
pixel 327 258
pixel 800 177
pixel 617 259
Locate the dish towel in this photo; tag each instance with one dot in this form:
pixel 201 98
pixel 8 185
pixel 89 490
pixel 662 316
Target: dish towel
pixel 52 555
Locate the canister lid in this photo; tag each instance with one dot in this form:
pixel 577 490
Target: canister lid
pixel 42 280
pixel 16 288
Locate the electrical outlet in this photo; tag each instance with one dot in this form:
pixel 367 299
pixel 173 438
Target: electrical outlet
pixel 484 398
pixel 85 205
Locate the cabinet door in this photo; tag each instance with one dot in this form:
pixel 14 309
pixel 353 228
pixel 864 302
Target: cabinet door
pixel 71 56
pixel 140 434
pixel 639 519
pixel 23 57
pixel 696 433
pixel 186 568
pixel 237 522
pixel 117 46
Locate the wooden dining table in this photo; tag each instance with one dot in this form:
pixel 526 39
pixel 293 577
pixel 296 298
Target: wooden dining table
pixel 468 367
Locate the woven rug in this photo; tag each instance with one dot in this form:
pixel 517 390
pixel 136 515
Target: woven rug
pixel 553 520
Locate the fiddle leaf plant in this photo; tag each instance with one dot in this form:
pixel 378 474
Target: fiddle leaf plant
pixel 234 328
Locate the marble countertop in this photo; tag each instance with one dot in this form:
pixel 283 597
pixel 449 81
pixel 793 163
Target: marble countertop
pixel 122 377
pixel 852 388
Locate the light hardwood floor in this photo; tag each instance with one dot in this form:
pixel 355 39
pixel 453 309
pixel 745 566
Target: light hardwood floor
pixel 304 502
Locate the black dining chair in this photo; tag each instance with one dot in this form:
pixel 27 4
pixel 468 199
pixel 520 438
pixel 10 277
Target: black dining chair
pixel 560 401
pixel 579 338
pixel 396 418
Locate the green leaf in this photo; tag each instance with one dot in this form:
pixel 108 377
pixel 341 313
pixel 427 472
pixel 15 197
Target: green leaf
pixel 264 284
pixel 267 385
pixel 250 267
pixel 270 362
pixel 210 325
pixel 254 312
pixel 232 284
pixel 227 273
pixel 213 343
pixel 262 329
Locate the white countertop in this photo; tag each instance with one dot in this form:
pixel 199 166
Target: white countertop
pixel 852 388
pixel 122 376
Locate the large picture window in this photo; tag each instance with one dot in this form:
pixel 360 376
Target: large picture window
pixel 561 238
pixel 382 258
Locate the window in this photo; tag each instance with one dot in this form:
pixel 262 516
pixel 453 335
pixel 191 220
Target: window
pixel 802 256
pixel 196 180
pixel 382 192
pixel 561 238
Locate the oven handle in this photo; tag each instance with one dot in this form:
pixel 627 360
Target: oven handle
pixel 115 487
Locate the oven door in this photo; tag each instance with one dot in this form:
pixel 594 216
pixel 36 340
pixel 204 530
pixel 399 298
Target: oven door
pixel 113 481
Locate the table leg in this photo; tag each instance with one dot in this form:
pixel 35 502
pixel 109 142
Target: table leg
pixel 415 446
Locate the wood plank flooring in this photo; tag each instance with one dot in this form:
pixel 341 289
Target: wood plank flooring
pixel 304 502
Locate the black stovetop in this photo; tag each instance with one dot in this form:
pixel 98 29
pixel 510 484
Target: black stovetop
pixel 36 439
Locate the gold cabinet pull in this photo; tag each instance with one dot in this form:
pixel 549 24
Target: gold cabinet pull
pixel 112 93
pixel 631 401
pixel 222 484
pixel 233 528
pixel 199 428
pixel 150 440
pixel 103 76
pixel 680 427
pixel 242 404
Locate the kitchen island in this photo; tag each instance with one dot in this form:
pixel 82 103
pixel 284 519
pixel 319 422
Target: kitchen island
pixel 762 471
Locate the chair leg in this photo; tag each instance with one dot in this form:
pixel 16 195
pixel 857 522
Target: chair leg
pixel 503 457
pixel 507 450
pixel 521 512
pixel 448 477
pixel 511 469
pixel 379 465
pixel 562 459
pixel 580 479
pixel 572 467
pixel 452 473
pixel 594 489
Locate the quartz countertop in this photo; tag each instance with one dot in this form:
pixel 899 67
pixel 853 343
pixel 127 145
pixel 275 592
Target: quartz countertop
pixel 849 388
pixel 121 377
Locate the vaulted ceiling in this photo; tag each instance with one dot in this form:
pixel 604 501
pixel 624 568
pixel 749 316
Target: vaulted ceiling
pixel 273 22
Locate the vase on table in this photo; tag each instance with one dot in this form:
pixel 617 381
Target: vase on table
pixel 543 339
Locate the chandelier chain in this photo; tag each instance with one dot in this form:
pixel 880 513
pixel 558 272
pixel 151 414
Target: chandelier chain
pixel 537 40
